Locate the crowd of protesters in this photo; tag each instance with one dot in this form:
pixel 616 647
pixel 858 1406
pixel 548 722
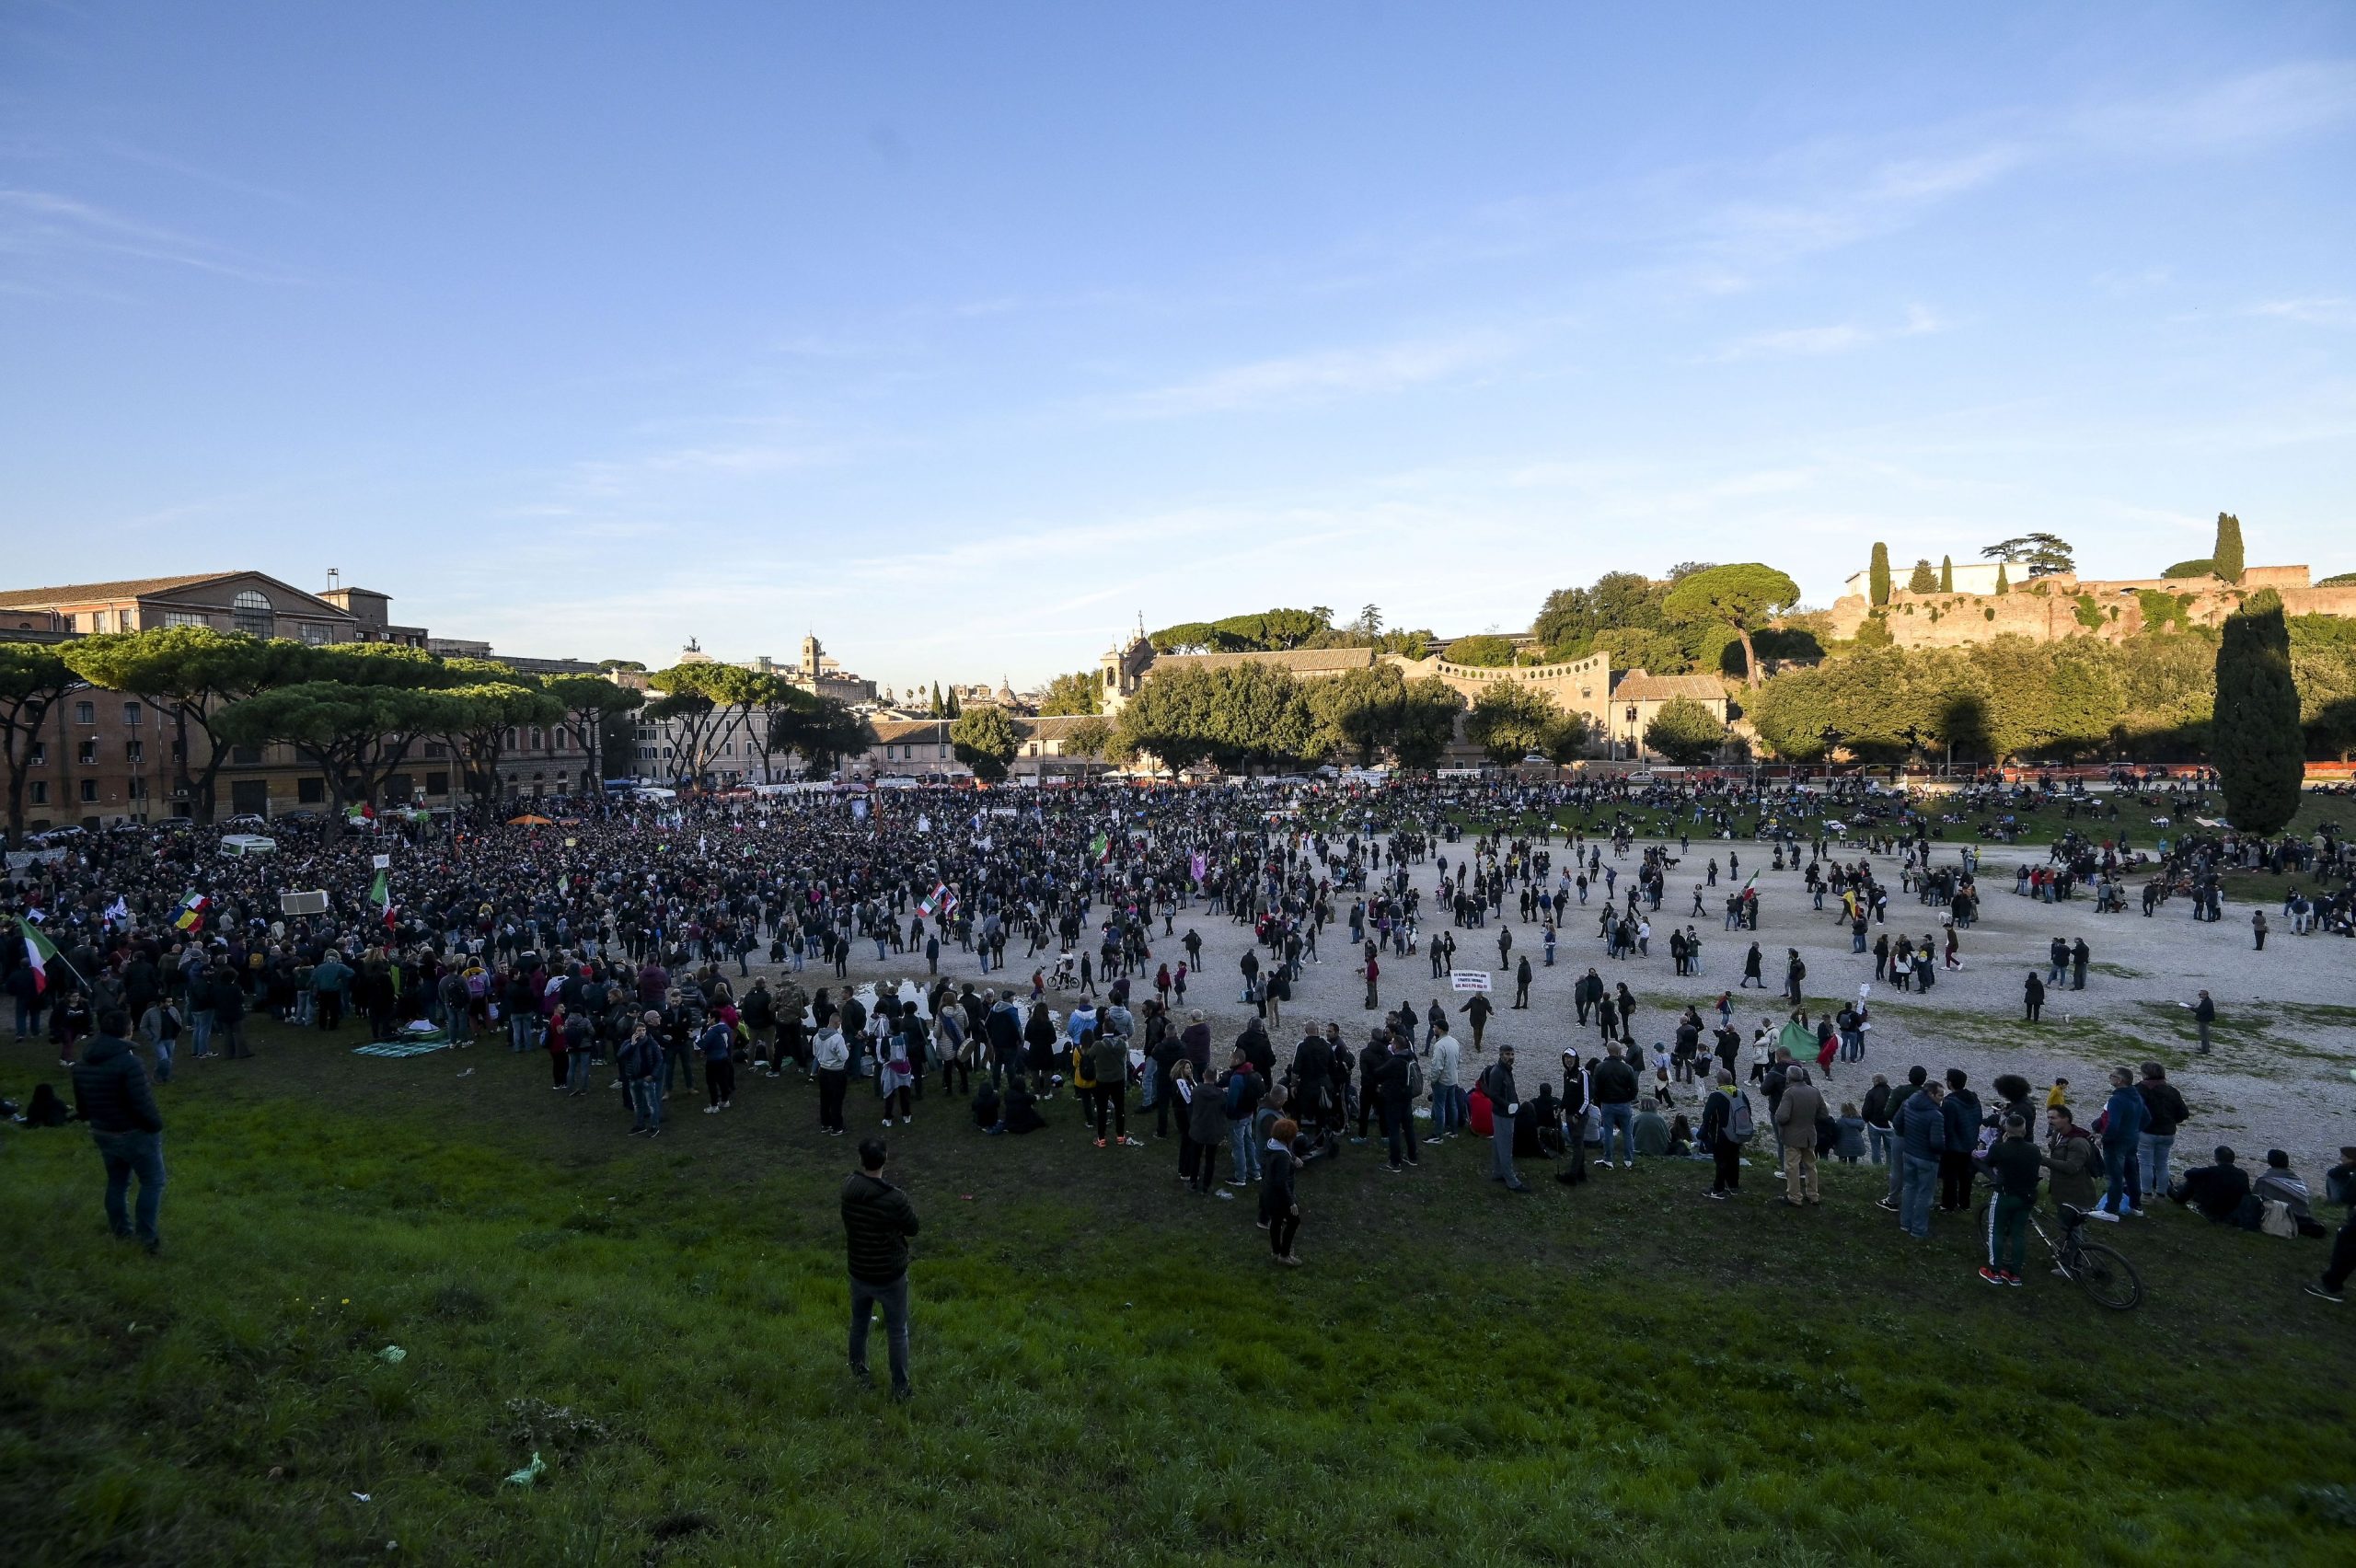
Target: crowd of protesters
pixel 1040 934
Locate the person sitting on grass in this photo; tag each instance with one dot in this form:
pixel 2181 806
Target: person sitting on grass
pixel 1019 1112
pixel 2217 1190
pixel 986 1106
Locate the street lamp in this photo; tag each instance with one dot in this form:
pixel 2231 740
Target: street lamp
pixel 1831 738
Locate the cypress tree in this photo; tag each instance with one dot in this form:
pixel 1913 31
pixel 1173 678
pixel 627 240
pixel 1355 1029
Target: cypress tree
pixel 2228 553
pixel 1879 575
pixel 2255 740
pixel 2002 585
pixel 1947 574
pixel 956 710
pixel 1925 580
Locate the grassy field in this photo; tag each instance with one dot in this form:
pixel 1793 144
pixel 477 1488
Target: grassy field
pixel 1108 1370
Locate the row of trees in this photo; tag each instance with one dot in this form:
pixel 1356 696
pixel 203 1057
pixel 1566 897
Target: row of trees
pixel 1701 616
pixel 357 711
pixel 1273 631
pixel 1243 718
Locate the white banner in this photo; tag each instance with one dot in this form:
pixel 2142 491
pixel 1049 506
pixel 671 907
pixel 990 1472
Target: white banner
pixel 1469 979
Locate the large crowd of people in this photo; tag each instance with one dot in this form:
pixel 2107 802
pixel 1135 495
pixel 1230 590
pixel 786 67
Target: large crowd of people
pixel 1018 949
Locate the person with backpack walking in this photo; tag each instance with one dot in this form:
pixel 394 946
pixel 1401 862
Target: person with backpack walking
pixel 1726 1127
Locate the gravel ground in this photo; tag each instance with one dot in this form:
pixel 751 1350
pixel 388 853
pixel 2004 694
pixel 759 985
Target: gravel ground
pixel 2279 1073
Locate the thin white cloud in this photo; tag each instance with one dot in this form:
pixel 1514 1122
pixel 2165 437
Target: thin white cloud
pixel 2328 310
pixel 1302 379
pixel 1839 338
pixel 42 223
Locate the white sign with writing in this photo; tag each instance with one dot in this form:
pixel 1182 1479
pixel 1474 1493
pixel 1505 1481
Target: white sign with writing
pixel 1470 979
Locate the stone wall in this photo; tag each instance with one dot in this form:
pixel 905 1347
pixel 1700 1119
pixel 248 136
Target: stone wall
pixel 1578 685
pixel 2050 608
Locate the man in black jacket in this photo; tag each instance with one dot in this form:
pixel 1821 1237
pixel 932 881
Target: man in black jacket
pixel 878 1219
pixel 110 1093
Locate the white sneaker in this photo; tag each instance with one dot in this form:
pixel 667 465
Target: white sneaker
pixel 2103 1215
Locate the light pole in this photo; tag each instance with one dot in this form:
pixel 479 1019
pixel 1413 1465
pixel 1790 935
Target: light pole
pixel 1831 738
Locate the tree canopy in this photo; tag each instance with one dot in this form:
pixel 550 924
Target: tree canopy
pixel 1740 597
pixel 1510 720
pixel 984 740
pixel 2228 553
pixel 1073 693
pixel 31 680
pixel 2043 554
pixel 1685 731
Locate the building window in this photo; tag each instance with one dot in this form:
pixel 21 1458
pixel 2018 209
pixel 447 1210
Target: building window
pixel 138 787
pixel 311 791
pixel 437 783
pixel 131 715
pixel 38 789
pixel 246 756
pixel 86 713
pixel 134 751
pixel 436 749
pixel 89 791
pixel 37 755
pixel 510 742
pixel 250 613
pixel 86 754
pixel 314 633
pixel 123 620
pixel 184 617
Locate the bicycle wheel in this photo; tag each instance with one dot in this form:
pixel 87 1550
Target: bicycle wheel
pixel 2107 1277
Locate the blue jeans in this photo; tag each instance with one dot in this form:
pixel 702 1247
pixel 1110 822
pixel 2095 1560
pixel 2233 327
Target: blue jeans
pixel 1623 1117
pixel 2152 1151
pixel 894 1299
pixel 1878 1142
pixel 199 1029
pixel 164 1060
pixel 1246 1158
pixel 645 1104
pixel 1447 1110
pixel 2115 1159
pixel 27 1018
pixel 519 1031
pixel 1914 1199
pixel 576 1071
pixel 127 1155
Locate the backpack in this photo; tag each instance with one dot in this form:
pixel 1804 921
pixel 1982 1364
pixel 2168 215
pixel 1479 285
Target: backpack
pixel 1738 1127
pixel 1414 1076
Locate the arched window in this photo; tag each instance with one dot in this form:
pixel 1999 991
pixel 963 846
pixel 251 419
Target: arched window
pixel 249 612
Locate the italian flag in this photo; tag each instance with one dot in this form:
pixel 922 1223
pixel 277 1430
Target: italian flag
pixel 381 895
pixel 38 950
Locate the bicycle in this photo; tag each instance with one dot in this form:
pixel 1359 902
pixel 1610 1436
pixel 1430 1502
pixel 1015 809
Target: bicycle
pixel 2102 1273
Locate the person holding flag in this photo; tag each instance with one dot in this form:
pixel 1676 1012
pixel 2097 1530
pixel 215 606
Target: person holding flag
pixel 28 982
pixel 192 915
pixel 380 893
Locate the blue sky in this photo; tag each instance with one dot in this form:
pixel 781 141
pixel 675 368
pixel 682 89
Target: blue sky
pixel 966 334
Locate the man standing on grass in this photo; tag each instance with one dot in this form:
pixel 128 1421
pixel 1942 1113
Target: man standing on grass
pixel 1922 1139
pixel 110 1093
pixel 2339 1187
pixel 2012 1161
pixel 878 1219
pixel 2123 1127
pixel 1506 1102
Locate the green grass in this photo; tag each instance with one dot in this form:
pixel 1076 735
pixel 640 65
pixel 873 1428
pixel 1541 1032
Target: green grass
pixel 1109 1371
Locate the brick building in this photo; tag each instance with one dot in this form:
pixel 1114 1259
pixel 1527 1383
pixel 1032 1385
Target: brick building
pixel 106 757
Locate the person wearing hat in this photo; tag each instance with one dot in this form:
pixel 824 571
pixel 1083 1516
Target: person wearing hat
pixel 1498 1083
pixel 2216 1189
